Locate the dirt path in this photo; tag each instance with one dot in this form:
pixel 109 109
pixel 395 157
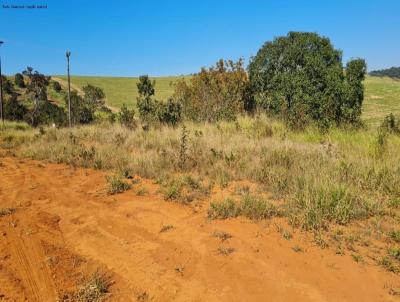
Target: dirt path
pixel 64 214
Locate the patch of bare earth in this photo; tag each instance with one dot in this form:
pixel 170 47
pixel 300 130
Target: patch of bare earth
pixel 65 227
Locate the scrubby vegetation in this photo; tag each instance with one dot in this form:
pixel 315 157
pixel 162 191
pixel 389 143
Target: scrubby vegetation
pixel 393 72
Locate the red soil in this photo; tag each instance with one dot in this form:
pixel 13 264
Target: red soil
pixel 66 226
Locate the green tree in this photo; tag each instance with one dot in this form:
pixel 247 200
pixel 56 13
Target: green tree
pixel 146 105
pixel 19 80
pixel 300 77
pixel 8 86
pixel 170 112
pixel 56 86
pixel 81 112
pixel 354 90
pixel 145 86
pixel 14 110
pixel 36 89
pixel 126 117
pixel 94 97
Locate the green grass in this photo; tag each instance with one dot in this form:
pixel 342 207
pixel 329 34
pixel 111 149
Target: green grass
pixel 382 96
pixel 123 90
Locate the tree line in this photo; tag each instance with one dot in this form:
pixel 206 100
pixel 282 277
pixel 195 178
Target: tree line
pixel 298 78
pixel 392 72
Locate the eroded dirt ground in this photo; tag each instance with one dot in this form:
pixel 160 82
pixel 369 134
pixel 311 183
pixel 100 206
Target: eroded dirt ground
pixel 65 226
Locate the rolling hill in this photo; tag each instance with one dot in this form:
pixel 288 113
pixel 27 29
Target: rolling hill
pixel 382 94
pixel 122 90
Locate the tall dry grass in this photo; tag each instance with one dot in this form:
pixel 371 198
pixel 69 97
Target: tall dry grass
pixel 323 178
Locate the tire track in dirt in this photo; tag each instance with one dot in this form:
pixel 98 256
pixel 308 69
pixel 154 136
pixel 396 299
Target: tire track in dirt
pixel 35 275
pixel 122 232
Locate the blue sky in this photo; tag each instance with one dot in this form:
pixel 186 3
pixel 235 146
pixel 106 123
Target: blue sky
pixel 130 38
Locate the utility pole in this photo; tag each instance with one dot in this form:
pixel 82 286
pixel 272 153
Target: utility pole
pixel 1 91
pixel 68 54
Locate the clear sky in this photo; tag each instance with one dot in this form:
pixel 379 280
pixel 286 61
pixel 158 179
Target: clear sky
pixel 130 38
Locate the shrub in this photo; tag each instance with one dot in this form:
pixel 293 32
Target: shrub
pixel 81 112
pixel 49 113
pixel 151 110
pixel 169 113
pixel 390 124
pixel 216 93
pixel 94 97
pixel 56 86
pixel 19 80
pixel 300 78
pixel 145 102
pixel 126 117
pixel 15 110
pixel 8 86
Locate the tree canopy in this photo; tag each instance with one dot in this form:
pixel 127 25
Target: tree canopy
pixel 300 77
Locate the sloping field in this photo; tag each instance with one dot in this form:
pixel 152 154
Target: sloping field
pixel 65 226
pixel 382 95
pixel 123 90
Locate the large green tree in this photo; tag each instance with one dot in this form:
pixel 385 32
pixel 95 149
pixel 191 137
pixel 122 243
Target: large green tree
pixel 301 78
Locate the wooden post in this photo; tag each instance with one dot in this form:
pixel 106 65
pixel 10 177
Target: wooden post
pixel 68 54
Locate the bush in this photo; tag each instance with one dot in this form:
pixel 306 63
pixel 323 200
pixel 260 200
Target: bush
pixel 81 111
pixel 126 117
pixel 19 80
pixel 300 78
pixel 153 111
pixel 169 113
pixel 216 93
pixel 8 86
pixel 56 86
pixel 49 113
pixel 14 110
pixel 94 97
pixel 390 124
pixel 145 102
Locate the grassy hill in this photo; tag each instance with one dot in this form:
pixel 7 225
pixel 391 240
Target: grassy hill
pixel 122 90
pixel 382 94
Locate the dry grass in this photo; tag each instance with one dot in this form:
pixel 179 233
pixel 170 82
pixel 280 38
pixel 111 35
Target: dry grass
pixel 6 211
pixel 323 178
pixel 91 289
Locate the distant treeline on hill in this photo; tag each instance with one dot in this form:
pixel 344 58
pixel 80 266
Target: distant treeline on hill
pixel 393 72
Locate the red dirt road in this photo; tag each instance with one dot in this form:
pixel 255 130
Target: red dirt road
pixel 66 226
